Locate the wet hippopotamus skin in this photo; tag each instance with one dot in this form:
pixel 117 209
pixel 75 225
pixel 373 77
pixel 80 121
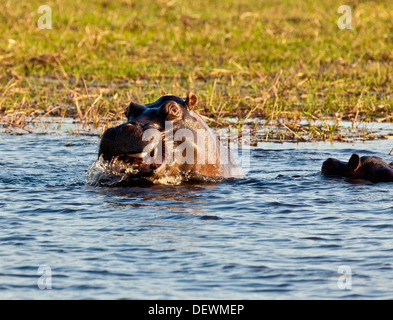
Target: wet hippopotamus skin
pixel 369 168
pixel 166 138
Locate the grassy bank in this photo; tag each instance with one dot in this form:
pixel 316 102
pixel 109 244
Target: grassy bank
pixel 249 58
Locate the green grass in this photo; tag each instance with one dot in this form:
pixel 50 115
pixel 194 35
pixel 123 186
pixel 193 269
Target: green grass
pixel 101 54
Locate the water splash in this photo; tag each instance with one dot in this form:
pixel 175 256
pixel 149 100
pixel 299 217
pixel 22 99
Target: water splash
pixel 107 174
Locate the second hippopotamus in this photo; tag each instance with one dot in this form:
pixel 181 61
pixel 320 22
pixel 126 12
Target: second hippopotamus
pixel 369 168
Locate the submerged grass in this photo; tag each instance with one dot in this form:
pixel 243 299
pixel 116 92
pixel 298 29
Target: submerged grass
pixel 281 61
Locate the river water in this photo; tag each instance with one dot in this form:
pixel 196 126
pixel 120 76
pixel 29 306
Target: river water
pixel 282 232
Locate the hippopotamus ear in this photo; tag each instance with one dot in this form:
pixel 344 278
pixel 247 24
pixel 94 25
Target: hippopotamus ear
pixel 134 109
pixel 391 164
pixel 127 113
pixel 191 101
pixel 354 163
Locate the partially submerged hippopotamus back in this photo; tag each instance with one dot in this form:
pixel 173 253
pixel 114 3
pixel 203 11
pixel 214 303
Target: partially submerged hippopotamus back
pixel 369 168
pixel 166 139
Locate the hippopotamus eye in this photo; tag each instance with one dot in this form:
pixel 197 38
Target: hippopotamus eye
pixel 172 110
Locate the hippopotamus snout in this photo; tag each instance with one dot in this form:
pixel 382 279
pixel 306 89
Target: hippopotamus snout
pixel 123 139
pixel 333 167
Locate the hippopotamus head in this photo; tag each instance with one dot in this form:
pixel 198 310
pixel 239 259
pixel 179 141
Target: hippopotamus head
pixel 369 168
pixel 166 137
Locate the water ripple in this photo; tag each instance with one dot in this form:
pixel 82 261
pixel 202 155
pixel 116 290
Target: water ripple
pixel 282 232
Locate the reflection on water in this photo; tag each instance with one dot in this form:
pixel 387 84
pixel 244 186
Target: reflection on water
pixel 283 231
pixel 185 198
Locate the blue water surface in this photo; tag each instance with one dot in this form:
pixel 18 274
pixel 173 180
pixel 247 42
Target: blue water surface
pixel 282 232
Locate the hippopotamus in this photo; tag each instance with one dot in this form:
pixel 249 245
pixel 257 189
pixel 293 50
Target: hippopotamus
pixel 369 168
pixel 166 138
